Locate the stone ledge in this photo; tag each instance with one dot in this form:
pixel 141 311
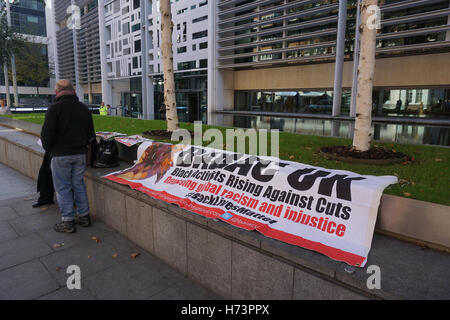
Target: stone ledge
pixel 398 217
pixel 200 247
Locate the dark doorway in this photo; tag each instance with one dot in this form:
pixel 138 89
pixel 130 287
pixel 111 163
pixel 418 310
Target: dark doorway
pixel 194 107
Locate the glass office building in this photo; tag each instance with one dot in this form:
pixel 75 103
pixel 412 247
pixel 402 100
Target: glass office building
pixel 280 57
pixel 29 18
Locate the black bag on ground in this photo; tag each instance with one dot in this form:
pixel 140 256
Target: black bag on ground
pixel 107 154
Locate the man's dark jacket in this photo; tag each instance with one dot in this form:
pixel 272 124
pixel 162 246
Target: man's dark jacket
pixel 68 127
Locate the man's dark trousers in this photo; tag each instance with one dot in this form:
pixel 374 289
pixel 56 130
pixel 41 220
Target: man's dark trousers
pixel 45 181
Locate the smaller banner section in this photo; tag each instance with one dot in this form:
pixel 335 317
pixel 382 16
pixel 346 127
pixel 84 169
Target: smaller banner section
pixel 131 140
pixel 108 135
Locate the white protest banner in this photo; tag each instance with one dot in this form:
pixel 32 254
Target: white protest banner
pixel 131 140
pixel 329 211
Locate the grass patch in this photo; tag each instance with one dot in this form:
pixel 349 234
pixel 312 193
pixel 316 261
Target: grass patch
pixel 425 178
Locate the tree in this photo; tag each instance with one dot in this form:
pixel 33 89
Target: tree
pixel 11 42
pixel 33 67
pixel 167 56
pixel 366 70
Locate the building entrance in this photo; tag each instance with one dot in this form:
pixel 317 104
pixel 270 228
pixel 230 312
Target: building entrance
pixel 132 104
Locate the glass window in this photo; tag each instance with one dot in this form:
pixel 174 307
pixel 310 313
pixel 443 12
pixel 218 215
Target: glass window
pixel 136 27
pixel 137 46
pixel 203 63
pixel 32 19
pixel 186 65
pixel 432 102
pixel 201 34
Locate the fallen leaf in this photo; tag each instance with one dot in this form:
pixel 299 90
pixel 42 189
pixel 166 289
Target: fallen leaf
pixel 44 208
pixel 437 159
pixel 114 255
pixel 407 194
pixel 134 255
pixel 95 239
pixel 291 158
pixel 57 245
pixel 89 256
pixel 58 268
pixel 27 199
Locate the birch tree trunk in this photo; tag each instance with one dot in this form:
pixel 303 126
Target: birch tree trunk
pixel 167 57
pixel 366 70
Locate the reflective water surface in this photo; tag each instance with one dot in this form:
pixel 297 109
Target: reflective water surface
pixel 383 132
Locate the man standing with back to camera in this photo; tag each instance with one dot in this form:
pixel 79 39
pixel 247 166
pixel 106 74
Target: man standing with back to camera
pixel 65 134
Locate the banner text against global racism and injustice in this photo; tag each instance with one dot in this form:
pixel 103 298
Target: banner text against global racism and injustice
pixel 329 211
pixel 237 193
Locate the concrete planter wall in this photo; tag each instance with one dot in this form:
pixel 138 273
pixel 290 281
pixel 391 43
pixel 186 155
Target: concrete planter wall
pixel 239 264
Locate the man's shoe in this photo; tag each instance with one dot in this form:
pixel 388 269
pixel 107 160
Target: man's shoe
pixel 65 226
pixel 41 203
pixel 84 221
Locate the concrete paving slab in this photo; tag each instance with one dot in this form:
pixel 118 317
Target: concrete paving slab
pixel 26 281
pixel 130 280
pixel 10 201
pixel 91 257
pixel 185 289
pixel 6 231
pixel 31 267
pixel 16 184
pixel 22 249
pixel 35 222
pixel 24 208
pixel 7 213
pixel 311 287
pixel 65 294
pixel 426 280
pixel 62 241
pixel 14 193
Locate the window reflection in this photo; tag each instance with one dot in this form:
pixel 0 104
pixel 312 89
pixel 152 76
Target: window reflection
pixel 409 134
pixel 415 102
pixel 320 102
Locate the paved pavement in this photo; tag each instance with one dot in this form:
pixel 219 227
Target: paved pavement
pixel 34 258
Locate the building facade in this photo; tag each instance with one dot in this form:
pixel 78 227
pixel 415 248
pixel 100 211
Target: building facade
pixel 34 21
pixel 132 63
pixel 78 46
pixel 286 64
pixel 290 65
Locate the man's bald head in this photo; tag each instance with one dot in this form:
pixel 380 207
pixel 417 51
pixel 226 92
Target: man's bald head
pixel 63 85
